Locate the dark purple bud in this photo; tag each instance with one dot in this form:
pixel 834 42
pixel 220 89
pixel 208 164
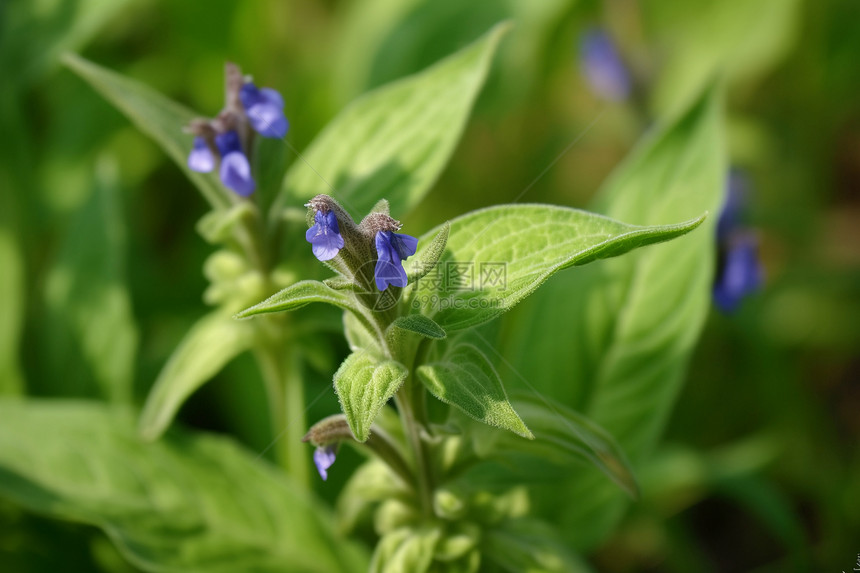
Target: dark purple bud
pixel 739 273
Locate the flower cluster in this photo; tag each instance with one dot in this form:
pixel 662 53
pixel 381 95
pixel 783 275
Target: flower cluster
pixel 228 137
pixel 378 229
pixel 739 271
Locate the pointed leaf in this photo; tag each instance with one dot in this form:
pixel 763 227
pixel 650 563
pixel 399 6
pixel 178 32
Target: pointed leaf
pixel 156 116
pixel 94 333
pixel 426 260
pixel 185 503
pixel 418 324
pixel 500 255
pixel 298 295
pixel 394 141
pixel 633 321
pixel 211 344
pixel 563 435
pixel 363 387
pixel 466 379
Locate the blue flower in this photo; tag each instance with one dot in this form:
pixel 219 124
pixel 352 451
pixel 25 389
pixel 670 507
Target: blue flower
pixel 391 249
pixel 265 110
pixel 602 66
pixel 325 236
pixel 235 169
pixel 739 273
pixel 737 188
pixel 324 457
pixel 201 158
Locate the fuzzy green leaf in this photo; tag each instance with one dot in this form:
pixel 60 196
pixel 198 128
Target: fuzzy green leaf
pixel 465 378
pixel 363 387
pixel 632 321
pixel 211 344
pixel 418 324
pixel 155 115
pixel 426 260
pixel 185 503
pixel 298 295
pixel 394 141
pixel 504 253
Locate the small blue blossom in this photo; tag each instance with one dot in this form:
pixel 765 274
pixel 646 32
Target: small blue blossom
pixel 235 169
pixel 265 110
pixel 740 273
pixel 737 188
pixel 603 67
pixel 391 249
pixel 324 457
pixel 325 236
pixel 201 158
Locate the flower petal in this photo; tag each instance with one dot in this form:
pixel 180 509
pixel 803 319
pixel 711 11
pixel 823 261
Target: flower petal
pixel 201 158
pixel 236 173
pixel 602 66
pixel 324 457
pixel 740 275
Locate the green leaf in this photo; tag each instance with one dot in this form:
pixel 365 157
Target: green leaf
pixel 533 546
pixel 465 378
pixel 394 141
pixel 406 549
pixel 156 116
pixel 218 226
pixel 363 387
pixel 736 39
pixel 298 295
pixel 427 259
pixel 211 344
pixel 563 435
pixel 185 503
pixel 11 319
pixel 632 321
pixel 504 253
pixel 94 334
pixel 418 324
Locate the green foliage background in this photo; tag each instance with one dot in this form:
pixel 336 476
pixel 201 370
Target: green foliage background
pixel 100 262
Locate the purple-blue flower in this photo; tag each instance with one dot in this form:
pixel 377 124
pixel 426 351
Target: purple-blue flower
pixel 602 66
pixel 739 273
pixel 265 110
pixel 325 236
pixel 391 249
pixel 324 457
pixel 235 169
pixel 201 158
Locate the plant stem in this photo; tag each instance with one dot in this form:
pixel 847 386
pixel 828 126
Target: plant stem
pixel 285 389
pixel 413 429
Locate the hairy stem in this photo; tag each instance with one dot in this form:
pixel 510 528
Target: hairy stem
pixel 414 429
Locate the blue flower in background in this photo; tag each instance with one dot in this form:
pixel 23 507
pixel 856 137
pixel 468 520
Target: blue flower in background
pixel 325 236
pixel 201 158
pixel 739 271
pixel 324 457
pixel 602 66
pixel 391 249
pixel 265 110
pixel 235 168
